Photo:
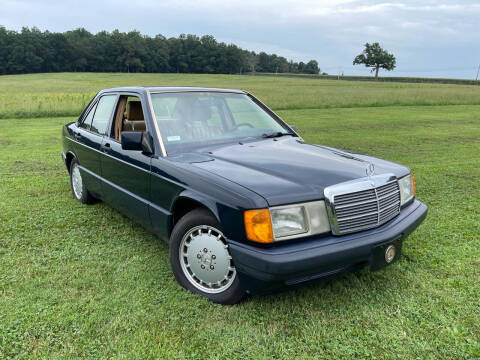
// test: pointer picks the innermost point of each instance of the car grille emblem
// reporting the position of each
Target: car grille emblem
(370, 171)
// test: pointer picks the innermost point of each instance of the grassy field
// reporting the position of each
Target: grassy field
(84, 282)
(38, 95)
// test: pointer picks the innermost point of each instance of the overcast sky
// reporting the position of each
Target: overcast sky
(429, 38)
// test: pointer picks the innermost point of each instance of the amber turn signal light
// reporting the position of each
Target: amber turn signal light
(258, 225)
(413, 184)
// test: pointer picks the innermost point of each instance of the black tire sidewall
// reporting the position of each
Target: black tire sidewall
(198, 217)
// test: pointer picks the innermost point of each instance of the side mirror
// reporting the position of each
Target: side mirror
(293, 127)
(137, 141)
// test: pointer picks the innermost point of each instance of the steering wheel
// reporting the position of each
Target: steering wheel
(242, 124)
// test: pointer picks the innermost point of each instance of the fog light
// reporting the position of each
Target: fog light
(390, 253)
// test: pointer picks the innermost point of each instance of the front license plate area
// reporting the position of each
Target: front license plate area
(385, 254)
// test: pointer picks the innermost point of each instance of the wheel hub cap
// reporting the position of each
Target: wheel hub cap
(205, 259)
(77, 182)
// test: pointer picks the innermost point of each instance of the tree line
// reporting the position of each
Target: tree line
(34, 51)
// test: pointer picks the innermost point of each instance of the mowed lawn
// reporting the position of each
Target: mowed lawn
(82, 281)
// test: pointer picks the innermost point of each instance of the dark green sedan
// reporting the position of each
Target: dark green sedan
(244, 203)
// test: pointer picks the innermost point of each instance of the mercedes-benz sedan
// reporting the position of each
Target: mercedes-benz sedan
(244, 203)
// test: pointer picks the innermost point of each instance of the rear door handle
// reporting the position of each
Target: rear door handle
(77, 136)
(106, 147)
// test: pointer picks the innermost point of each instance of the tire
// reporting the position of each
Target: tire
(79, 191)
(199, 254)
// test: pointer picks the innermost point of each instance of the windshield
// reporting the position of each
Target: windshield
(194, 119)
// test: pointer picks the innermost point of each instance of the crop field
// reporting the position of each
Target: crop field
(82, 281)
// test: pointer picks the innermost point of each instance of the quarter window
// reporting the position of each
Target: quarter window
(88, 119)
(103, 114)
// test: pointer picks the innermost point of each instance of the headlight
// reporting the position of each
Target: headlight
(289, 221)
(286, 222)
(407, 189)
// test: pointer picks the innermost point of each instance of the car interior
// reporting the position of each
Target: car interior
(129, 116)
(189, 118)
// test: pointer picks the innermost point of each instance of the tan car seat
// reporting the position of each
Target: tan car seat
(134, 120)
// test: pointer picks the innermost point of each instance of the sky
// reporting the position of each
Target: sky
(429, 38)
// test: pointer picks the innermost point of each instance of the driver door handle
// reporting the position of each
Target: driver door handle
(106, 147)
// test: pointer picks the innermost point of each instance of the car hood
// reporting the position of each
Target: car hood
(288, 170)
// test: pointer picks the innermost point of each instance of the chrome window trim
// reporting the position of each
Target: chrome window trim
(306, 211)
(167, 91)
(155, 124)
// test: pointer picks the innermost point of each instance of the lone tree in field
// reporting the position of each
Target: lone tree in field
(373, 56)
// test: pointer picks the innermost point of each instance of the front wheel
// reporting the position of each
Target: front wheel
(200, 258)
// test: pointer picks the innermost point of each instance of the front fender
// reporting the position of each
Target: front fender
(229, 217)
(203, 199)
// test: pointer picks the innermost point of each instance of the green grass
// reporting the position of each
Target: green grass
(66, 94)
(85, 282)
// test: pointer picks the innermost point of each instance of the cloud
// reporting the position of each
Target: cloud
(423, 34)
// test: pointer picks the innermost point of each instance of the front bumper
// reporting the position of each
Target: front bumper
(263, 270)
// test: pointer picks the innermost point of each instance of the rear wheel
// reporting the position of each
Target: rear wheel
(200, 258)
(79, 191)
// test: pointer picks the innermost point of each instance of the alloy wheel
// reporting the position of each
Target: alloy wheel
(205, 259)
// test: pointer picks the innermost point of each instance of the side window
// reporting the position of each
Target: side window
(103, 114)
(88, 119)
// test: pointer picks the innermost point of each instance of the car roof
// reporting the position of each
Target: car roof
(163, 89)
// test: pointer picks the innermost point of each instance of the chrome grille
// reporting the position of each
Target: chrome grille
(376, 202)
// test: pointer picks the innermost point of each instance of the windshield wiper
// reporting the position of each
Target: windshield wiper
(274, 134)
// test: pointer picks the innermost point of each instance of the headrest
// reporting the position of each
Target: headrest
(134, 110)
